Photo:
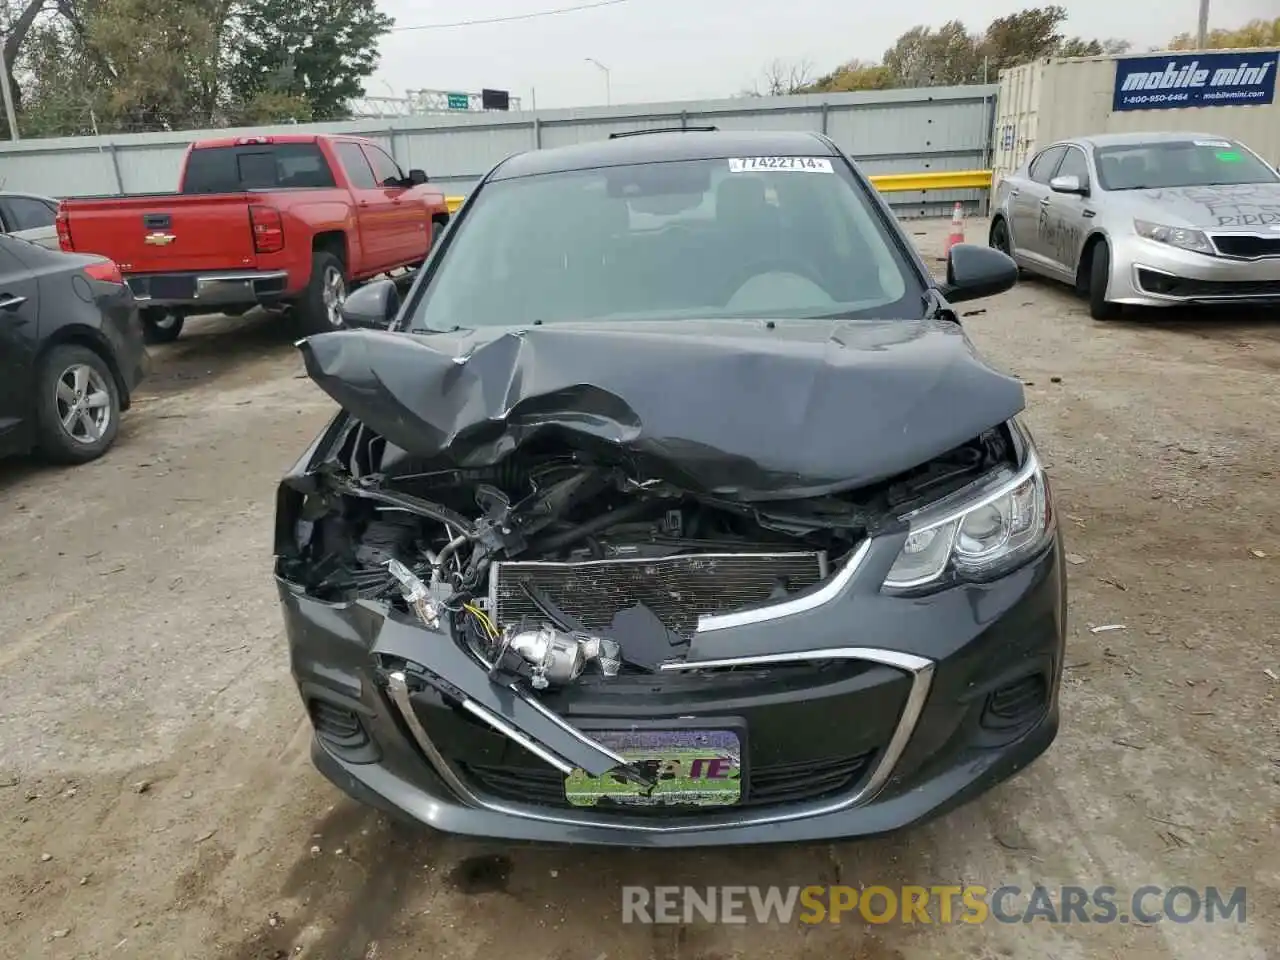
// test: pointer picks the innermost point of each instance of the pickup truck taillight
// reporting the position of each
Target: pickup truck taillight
(268, 228)
(105, 270)
(64, 231)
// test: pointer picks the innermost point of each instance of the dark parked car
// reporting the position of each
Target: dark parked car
(30, 216)
(675, 508)
(71, 352)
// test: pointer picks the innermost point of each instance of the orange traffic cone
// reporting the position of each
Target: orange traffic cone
(957, 228)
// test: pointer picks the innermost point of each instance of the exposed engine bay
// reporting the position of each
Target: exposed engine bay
(556, 564)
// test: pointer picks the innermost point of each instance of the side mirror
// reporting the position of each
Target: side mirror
(974, 271)
(1068, 184)
(374, 305)
(417, 178)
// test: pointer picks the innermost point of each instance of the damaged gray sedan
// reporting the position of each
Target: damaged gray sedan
(672, 507)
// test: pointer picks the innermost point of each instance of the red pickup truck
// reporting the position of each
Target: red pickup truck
(289, 220)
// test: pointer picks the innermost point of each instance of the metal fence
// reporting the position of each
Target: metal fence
(930, 130)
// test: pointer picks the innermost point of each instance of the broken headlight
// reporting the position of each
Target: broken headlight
(978, 532)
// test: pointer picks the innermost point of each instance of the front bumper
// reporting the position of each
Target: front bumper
(208, 292)
(1147, 273)
(862, 715)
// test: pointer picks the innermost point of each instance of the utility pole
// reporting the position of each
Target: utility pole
(608, 93)
(1202, 32)
(9, 113)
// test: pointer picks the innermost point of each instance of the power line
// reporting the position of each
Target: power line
(512, 18)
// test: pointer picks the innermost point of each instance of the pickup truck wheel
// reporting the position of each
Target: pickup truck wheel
(161, 326)
(77, 405)
(320, 307)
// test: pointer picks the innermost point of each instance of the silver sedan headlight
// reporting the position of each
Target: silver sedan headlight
(978, 532)
(1182, 237)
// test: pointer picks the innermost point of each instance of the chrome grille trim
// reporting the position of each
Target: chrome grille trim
(920, 669)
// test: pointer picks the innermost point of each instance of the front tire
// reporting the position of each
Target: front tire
(998, 239)
(161, 326)
(1100, 308)
(77, 405)
(320, 307)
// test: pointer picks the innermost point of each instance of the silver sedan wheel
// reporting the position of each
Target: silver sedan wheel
(334, 291)
(83, 402)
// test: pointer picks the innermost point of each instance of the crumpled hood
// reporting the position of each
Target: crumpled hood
(732, 408)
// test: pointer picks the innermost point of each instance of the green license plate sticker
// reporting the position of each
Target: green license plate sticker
(701, 768)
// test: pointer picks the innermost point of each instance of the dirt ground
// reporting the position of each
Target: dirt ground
(156, 797)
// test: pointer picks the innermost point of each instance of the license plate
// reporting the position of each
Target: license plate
(701, 768)
(173, 288)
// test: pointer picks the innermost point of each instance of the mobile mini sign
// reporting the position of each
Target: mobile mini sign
(1195, 80)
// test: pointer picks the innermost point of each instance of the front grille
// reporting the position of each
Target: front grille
(1246, 247)
(676, 589)
(1162, 283)
(767, 785)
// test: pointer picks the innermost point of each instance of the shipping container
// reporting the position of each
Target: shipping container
(1230, 93)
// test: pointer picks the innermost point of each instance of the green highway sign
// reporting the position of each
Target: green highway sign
(459, 101)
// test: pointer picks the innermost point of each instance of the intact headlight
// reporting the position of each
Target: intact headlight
(1181, 237)
(978, 532)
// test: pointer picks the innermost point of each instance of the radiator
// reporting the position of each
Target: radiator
(677, 589)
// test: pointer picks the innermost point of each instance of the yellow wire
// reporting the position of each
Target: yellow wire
(483, 617)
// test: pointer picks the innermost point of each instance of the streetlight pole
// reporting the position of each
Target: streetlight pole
(608, 93)
(1202, 32)
(7, 92)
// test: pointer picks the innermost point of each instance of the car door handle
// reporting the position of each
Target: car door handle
(1046, 201)
(1013, 193)
(8, 302)
(1090, 213)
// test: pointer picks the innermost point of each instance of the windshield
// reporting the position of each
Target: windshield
(1184, 163)
(682, 240)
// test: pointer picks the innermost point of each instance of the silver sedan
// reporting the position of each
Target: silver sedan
(1146, 219)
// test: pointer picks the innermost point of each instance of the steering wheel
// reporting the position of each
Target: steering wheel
(765, 265)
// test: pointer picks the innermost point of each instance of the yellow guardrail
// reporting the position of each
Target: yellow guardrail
(888, 183)
(950, 180)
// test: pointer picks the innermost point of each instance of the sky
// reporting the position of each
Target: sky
(661, 50)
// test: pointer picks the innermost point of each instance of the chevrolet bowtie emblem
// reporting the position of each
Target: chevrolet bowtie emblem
(159, 239)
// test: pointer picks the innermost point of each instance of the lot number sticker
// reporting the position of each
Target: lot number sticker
(786, 164)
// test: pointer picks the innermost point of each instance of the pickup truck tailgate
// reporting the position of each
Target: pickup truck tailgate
(165, 233)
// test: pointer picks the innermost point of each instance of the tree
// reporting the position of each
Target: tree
(318, 51)
(950, 55)
(854, 75)
(1255, 33)
(161, 59)
(1022, 37)
(20, 18)
(923, 57)
(782, 78)
(1079, 47)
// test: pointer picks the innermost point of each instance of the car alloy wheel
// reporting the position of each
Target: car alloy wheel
(83, 404)
(334, 292)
